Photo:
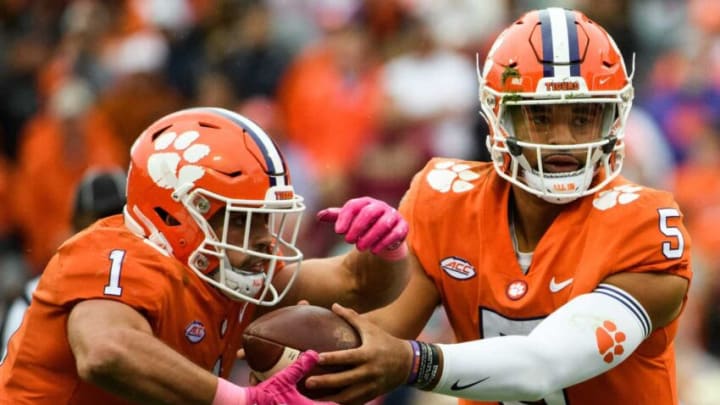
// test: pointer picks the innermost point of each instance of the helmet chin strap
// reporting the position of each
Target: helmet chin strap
(579, 181)
(243, 282)
(576, 182)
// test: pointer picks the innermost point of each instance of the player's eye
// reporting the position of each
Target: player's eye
(585, 114)
(238, 221)
(539, 116)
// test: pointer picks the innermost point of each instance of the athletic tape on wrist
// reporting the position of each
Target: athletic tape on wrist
(227, 393)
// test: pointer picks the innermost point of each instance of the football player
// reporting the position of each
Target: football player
(562, 280)
(148, 306)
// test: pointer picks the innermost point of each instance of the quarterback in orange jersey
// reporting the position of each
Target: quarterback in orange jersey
(149, 306)
(562, 280)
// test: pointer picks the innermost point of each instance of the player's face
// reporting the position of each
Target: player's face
(558, 124)
(259, 239)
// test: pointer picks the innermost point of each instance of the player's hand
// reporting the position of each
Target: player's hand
(281, 387)
(370, 224)
(381, 364)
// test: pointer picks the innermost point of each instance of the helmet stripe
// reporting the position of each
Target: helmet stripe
(560, 43)
(573, 44)
(273, 158)
(547, 43)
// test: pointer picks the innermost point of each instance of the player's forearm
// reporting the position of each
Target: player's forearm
(375, 281)
(142, 369)
(586, 337)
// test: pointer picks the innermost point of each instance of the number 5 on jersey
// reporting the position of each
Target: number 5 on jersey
(671, 250)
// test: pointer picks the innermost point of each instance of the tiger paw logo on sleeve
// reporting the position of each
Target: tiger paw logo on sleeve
(451, 176)
(609, 341)
(622, 195)
(170, 149)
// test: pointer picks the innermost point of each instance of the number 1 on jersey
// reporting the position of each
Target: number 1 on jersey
(113, 286)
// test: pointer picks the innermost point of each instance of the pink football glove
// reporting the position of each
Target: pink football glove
(370, 224)
(280, 388)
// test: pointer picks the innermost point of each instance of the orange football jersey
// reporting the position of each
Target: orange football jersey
(458, 213)
(107, 261)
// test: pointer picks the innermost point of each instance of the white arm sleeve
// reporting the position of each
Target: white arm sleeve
(587, 336)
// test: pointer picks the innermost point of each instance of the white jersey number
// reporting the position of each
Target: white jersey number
(494, 325)
(113, 286)
(671, 250)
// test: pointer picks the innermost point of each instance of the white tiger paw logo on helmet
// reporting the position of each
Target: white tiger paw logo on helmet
(449, 175)
(163, 164)
(622, 195)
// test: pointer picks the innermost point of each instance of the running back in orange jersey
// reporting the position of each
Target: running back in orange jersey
(461, 235)
(184, 312)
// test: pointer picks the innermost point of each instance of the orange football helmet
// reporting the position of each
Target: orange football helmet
(189, 165)
(556, 65)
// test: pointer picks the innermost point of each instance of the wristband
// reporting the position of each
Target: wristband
(429, 366)
(228, 393)
(415, 367)
(394, 254)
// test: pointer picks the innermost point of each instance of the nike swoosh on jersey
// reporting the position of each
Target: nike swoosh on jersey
(555, 287)
(457, 386)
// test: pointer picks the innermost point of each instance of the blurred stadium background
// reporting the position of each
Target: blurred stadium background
(357, 92)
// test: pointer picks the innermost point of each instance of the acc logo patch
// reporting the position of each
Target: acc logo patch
(457, 267)
(195, 331)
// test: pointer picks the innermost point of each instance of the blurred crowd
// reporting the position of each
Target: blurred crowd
(358, 93)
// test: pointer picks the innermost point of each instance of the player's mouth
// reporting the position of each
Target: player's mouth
(561, 163)
(252, 267)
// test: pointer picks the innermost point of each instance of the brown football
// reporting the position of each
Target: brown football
(275, 340)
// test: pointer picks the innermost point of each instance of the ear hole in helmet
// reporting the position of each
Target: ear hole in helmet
(166, 217)
(208, 125)
(158, 132)
(232, 174)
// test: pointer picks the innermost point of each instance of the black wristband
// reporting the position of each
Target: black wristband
(429, 366)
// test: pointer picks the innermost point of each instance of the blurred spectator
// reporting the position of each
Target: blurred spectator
(683, 89)
(431, 90)
(214, 89)
(297, 23)
(462, 24)
(134, 42)
(24, 47)
(648, 155)
(12, 266)
(100, 193)
(57, 147)
(256, 62)
(330, 99)
(682, 113)
(6, 191)
(186, 59)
